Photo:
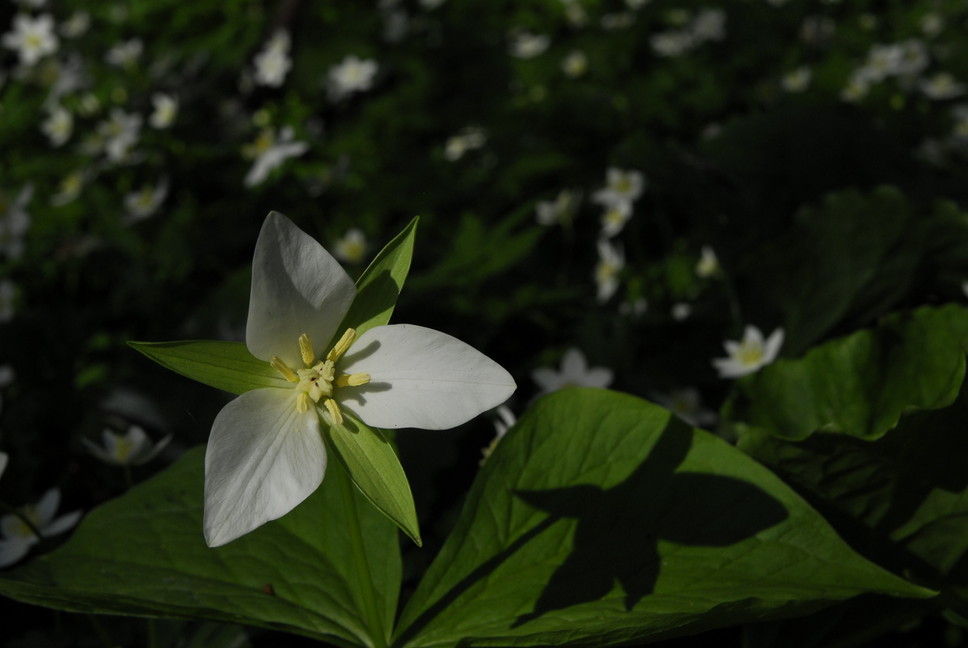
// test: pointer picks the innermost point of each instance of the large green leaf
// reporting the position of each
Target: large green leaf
(861, 384)
(601, 519)
(144, 554)
(224, 365)
(372, 464)
(379, 286)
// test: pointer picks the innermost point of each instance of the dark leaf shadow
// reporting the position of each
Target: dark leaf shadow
(377, 295)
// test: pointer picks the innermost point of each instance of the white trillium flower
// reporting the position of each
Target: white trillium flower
(352, 247)
(33, 38)
(615, 216)
(18, 536)
(272, 64)
(143, 203)
(574, 372)
(469, 139)
(620, 186)
(351, 75)
(266, 452)
(132, 448)
(166, 108)
(270, 152)
(749, 354)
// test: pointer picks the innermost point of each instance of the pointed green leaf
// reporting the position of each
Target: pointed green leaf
(861, 384)
(144, 554)
(379, 286)
(224, 365)
(373, 466)
(601, 520)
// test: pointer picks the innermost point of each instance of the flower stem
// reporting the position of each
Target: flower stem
(362, 566)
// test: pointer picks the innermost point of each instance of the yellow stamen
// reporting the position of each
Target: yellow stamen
(341, 346)
(334, 412)
(284, 369)
(353, 380)
(302, 403)
(306, 350)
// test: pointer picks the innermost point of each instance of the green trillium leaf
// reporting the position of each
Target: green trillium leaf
(143, 554)
(861, 384)
(600, 519)
(372, 464)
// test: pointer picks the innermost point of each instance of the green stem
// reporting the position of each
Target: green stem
(362, 567)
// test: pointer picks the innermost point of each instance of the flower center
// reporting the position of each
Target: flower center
(318, 380)
(749, 354)
(20, 528)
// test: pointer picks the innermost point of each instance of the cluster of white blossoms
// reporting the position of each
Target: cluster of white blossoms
(707, 25)
(904, 61)
(622, 189)
(273, 63)
(20, 530)
(350, 76)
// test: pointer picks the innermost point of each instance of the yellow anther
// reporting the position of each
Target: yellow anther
(284, 369)
(333, 408)
(306, 349)
(353, 380)
(302, 403)
(341, 346)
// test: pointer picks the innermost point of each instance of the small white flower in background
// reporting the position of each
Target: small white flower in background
(32, 38)
(671, 43)
(272, 64)
(615, 216)
(620, 186)
(941, 86)
(525, 45)
(575, 13)
(8, 297)
(14, 222)
(932, 24)
(469, 139)
(166, 108)
(709, 25)
(269, 151)
(351, 75)
(266, 452)
(144, 202)
(574, 372)
(681, 311)
(132, 448)
(749, 354)
(686, 403)
(560, 210)
(58, 126)
(125, 54)
(119, 133)
(611, 261)
(68, 189)
(18, 536)
(77, 25)
(796, 80)
(504, 421)
(708, 264)
(856, 89)
(620, 20)
(352, 247)
(575, 64)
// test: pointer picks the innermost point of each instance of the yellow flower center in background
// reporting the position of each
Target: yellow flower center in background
(20, 528)
(122, 449)
(749, 354)
(318, 379)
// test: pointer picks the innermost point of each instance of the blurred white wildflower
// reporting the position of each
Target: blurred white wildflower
(14, 223)
(671, 43)
(620, 20)
(708, 264)
(681, 311)
(615, 216)
(797, 80)
(912, 58)
(932, 24)
(709, 25)
(144, 202)
(575, 13)
(468, 139)
(352, 247)
(77, 25)
(856, 89)
(125, 54)
(273, 63)
(575, 64)
(611, 262)
(687, 405)
(32, 38)
(574, 372)
(269, 151)
(119, 133)
(525, 45)
(634, 308)
(132, 448)
(58, 126)
(166, 108)
(504, 420)
(941, 85)
(620, 186)
(560, 210)
(749, 354)
(68, 189)
(20, 529)
(351, 75)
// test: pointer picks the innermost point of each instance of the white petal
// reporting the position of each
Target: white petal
(47, 507)
(732, 368)
(13, 549)
(546, 378)
(153, 452)
(263, 459)
(573, 366)
(752, 336)
(772, 346)
(4, 458)
(62, 524)
(598, 377)
(138, 439)
(297, 287)
(421, 378)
